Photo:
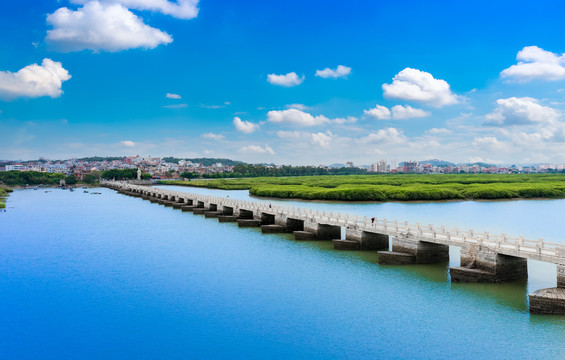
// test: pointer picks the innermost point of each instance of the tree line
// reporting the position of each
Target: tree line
(251, 170)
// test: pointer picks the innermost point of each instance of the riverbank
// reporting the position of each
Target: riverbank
(3, 195)
(405, 187)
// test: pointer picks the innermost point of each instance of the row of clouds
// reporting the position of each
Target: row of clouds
(410, 84)
(292, 78)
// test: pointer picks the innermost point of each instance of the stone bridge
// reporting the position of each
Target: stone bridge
(484, 257)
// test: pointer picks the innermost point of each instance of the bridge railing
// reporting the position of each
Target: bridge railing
(440, 234)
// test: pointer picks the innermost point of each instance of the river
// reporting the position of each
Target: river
(86, 276)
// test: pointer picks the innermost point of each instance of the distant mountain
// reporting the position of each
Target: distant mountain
(481, 164)
(437, 162)
(205, 161)
(336, 166)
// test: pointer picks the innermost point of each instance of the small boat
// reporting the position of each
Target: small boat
(96, 193)
(86, 192)
(71, 189)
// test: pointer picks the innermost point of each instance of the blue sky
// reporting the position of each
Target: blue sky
(290, 82)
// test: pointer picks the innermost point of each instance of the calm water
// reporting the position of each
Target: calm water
(112, 277)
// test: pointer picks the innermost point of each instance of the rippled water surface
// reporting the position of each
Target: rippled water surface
(107, 276)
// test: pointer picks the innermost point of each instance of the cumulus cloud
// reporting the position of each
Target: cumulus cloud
(181, 9)
(244, 126)
(322, 139)
(400, 112)
(388, 135)
(379, 112)
(415, 85)
(340, 72)
(256, 149)
(489, 143)
(173, 96)
(521, 111)
(127, 143)
(288, 80)
(535, 63)
(397, 112)
(295, 117)
(101, 27)
(213, 136)
(34, 81)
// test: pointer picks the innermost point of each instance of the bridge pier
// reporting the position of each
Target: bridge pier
(315, 231)
(361, 240)
(481, 264)
(408, 250)
(550, 301)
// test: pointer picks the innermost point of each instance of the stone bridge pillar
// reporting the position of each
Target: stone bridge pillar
(408, 250)
(481, 264)
(550, 301)
(356, 239)
(312, 230)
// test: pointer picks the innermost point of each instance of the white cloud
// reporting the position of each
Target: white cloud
(379, 112)
(34, 81)
(173, 96)
(322, 139)
(288, 80)
(298, 107)
(521, 111)
(489, 143)
(289, 134)
(339, 72)
(400, 112)
(257, 149)
(244, 126)
(101, 27)
(295, 117)
(127, 143)
(347, 120)
(415, 85)
(397, 112)
(438, 131)
(181, 9)
(213, 136)
(535, 63)
(388, 135)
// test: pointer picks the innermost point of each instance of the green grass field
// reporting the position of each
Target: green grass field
(395, 187)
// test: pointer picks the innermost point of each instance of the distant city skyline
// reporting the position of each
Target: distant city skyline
(315, 82)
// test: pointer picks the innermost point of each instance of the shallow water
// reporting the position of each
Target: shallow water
(107, 276)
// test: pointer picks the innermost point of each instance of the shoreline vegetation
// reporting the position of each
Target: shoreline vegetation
(405, 187)
(3, 195)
